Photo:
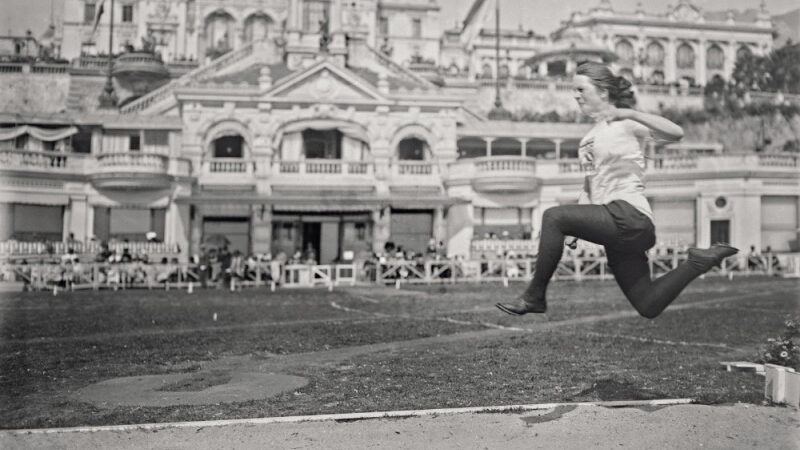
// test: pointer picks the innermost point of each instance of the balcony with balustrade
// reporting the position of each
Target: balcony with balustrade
(410, 173)
(328, 173)
(134, 170)
(234, 173)
(44, 162)
(505, 174)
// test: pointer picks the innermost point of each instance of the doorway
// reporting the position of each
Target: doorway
(311, 239)
(721, 231)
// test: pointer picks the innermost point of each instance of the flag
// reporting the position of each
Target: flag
(98, 14)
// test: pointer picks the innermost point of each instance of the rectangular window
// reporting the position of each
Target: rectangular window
(383, 27)
(88, 12)
(416, 28)
(127, 13)
(135, 143)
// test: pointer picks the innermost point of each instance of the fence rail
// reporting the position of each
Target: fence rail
(141, 275)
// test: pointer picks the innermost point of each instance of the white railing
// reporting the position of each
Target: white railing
(506, 164)
(22, 249)
(196, 74)
(777, 160)
(414, 167)
(133, 161)
(324, 167)
(667, 163)
(38, 160)
(228, 165)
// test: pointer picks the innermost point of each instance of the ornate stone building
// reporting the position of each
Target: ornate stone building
(316, 139)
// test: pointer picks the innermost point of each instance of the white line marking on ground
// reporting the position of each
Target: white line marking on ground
(355, 416)
(657, 341)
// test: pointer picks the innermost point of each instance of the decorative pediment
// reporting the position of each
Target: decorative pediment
(686, 12)
(325, 82)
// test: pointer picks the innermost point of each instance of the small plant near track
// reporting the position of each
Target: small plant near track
(785, 349)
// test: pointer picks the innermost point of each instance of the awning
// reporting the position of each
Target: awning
(349, 129)
(327, 203)
(43, 134)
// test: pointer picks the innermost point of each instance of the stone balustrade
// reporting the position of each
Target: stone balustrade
(136, 161)
(228, 165)
(505, 164)
(423, 168)
(31, 160)
(324, 167)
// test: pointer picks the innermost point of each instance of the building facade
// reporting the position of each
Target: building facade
(682, 43)
(317, 142)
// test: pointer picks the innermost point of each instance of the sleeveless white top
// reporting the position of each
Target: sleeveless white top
(611, 155)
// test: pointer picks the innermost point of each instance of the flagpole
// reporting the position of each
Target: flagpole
(108, 99)
(498, 112)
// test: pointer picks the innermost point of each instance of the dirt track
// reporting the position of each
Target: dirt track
(563, 427)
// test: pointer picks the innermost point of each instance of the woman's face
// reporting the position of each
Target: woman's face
(590, 98)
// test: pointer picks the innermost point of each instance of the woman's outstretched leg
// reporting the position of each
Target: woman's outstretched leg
(591, 223)
(651, 297)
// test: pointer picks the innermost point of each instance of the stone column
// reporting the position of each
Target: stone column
(6, 221)
(558, 147)
(196, 228)
(523, 144)
(78, 215)
(542, 69)
(261, 228)
(670, 61)
(439, 226)
(177, 229)
(381, 228)
(701, 63)
(489, 146)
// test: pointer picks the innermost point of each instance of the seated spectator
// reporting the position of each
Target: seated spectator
(126, 256)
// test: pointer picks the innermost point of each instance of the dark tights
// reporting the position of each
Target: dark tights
(594, 223)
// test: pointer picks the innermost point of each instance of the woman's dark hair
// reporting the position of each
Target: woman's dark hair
(618, 88)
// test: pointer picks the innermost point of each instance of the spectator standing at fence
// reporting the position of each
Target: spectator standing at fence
(754, 260)
(613, 210)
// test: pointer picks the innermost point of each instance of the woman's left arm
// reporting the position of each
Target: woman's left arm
(662, 128)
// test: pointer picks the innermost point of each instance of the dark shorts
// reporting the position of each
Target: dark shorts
(635, 230)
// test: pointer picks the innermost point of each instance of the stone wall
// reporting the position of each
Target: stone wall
(29, 93)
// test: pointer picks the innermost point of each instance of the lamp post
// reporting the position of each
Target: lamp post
(498, 112)
(108, 99)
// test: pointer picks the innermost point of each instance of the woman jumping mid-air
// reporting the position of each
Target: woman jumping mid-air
(612, 209)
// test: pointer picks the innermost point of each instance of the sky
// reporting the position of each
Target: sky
(542, 16)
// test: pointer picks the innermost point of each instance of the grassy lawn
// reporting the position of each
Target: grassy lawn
(52, 346)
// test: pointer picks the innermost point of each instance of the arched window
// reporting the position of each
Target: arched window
(624, 50)
(685, 56)
(228, 147)
(715, 58)
(743, 52)
(504, 72)
(655, 54)
(486, 71)
(412, 149)
(219, 29)
(471, 147)
(322, 144)
(256, 27)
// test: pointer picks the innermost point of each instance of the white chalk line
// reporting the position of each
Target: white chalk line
(657, 341)
(348, 417)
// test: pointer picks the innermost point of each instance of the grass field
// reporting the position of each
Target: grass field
(373, 349)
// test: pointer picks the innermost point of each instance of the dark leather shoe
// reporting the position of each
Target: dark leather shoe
(706, 258)
(522, 306)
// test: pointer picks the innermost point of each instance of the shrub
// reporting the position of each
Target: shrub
(784, 349)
